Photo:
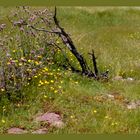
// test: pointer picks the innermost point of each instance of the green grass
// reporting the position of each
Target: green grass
(114, 34)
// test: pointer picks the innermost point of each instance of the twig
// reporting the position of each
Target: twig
(44, 30)
(69, 43)
(94, 63)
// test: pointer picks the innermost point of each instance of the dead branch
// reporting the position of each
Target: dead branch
(94, 63)
(44, 30)
(70, 45)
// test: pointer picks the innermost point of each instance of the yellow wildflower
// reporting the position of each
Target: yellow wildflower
(8, 63)
(46, 82)
(20, 64)
(35, 76)
(29, 60)
(55, 91)
(16, 61)
(52, 81)
(45, 96)
(55, 77)
(22, 58)
(39, 56)
(57, 42)
(40, 82)
(50, 73)
(43, 70)
(94, 111)
(106, 117)
(72, 116)
(29, 70)
(112, 124)
(46, 69)
(3, 121)
(2, 89)
(52, 88)
(36, 62)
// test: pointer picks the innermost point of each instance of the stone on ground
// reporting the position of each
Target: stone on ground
(40, 131)
(15, 130)
(52, 118)
(118, 78)
(133, 105)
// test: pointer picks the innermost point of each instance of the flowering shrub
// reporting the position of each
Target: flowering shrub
(27, 53)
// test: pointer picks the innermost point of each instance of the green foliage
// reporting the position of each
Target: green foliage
(26, 55)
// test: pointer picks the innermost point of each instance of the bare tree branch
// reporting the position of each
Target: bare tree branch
(94, 63)
(44, 30)
(70, 45)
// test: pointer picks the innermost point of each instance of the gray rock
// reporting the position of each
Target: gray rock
(40, 131)
(110, 96)
(52, 118)
(49, 117)
(130, 79)
(133, 105)
(138, 102)
(58, 124)
(15, 130)
(118, 78)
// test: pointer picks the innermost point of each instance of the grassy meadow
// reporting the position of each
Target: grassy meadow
(114, 34)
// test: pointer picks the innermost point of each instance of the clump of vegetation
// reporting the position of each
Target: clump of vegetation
(25, 55)
(37, 41)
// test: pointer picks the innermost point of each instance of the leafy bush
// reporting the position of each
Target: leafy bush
(25, 52)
